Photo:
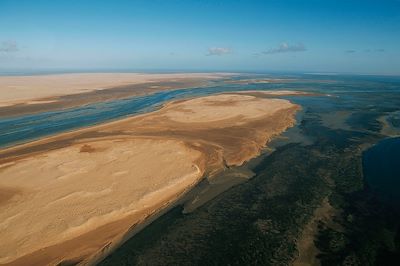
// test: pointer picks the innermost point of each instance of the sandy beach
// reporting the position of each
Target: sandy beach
(70, 197)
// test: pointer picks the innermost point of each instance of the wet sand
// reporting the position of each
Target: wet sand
(75, 196)
(30, 94)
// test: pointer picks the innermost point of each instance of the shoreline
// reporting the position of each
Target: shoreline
(10, 150)
(144, 111)
(63, 91)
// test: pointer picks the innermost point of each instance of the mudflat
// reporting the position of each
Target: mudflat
(75, 196)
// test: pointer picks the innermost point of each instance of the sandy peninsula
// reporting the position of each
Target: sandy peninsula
(73, 197)
(37, 93)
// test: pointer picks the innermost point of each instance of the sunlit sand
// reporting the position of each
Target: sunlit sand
(77, 195)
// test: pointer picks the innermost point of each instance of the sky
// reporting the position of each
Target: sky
(342, 36)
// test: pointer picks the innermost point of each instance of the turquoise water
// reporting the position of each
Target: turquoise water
(20, 129)
(24, 128)
(347, 93)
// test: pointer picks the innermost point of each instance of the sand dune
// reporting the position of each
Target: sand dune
(74, 196)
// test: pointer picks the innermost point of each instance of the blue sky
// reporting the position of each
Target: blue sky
(345, 36)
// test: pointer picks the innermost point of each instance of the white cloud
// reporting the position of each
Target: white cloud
(286, 48)
(9, 47)
(219, 51)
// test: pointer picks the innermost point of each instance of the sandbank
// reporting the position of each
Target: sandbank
(29, 94)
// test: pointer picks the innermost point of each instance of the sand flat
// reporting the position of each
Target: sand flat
(29, 89)
(224, 107)
(115, 175)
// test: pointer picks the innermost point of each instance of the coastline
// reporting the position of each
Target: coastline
(219, 149)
